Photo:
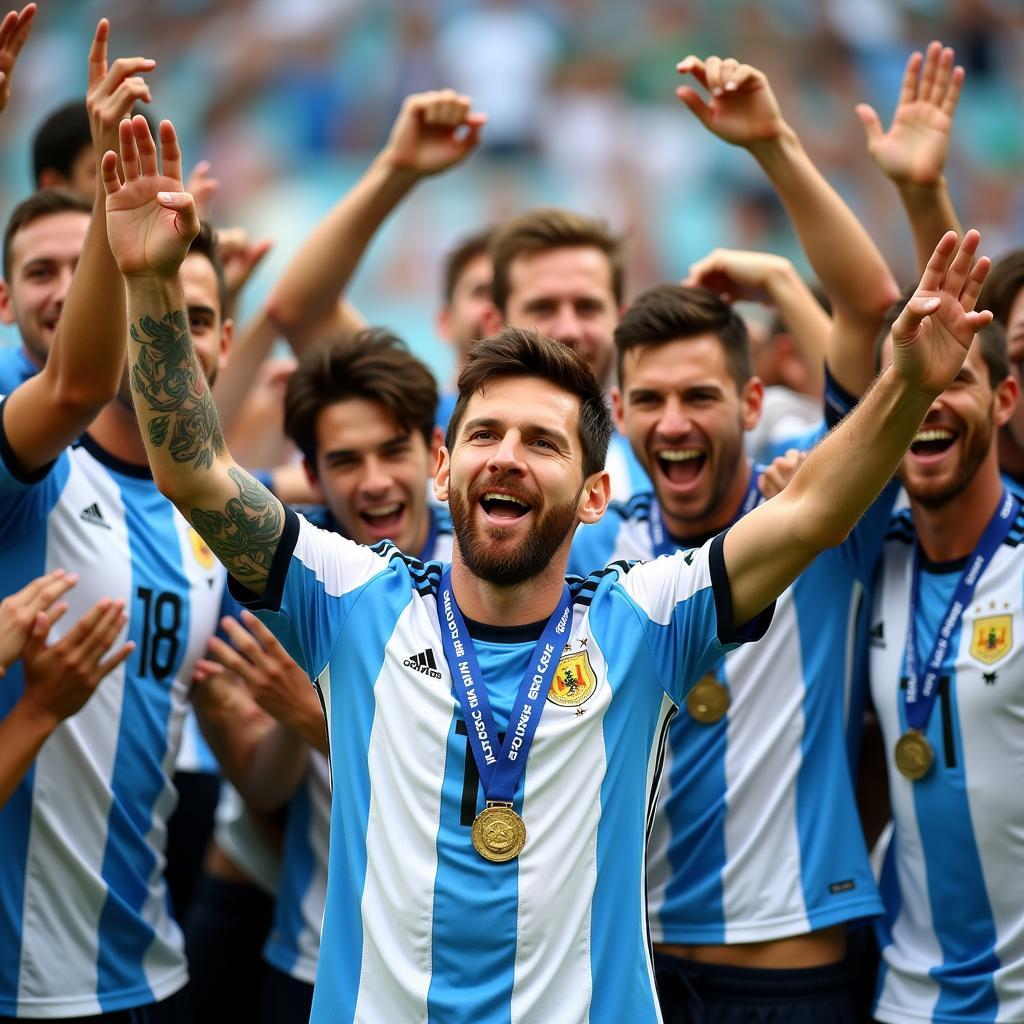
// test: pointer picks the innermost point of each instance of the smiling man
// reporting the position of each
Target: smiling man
(361, 411)
(581, 681)
(947, 678)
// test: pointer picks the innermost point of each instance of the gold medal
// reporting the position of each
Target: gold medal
(708, 701)
(499, 834)
(914, 754)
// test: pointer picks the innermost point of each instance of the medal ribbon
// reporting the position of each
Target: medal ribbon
(663, 544)
(500, 771)
(920, 699)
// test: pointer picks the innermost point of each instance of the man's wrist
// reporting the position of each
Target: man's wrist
(916, 195)
(783, 145)
(35, 720)
(390, 173)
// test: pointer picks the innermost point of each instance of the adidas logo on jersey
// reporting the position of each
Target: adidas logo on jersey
(92, 514)
(423, 662)
(876, 636)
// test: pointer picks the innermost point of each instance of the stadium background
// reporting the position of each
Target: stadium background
(288, 100)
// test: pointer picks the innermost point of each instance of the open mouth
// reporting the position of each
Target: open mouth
(681, 466)
(504, 508)
(383, 519)
(932, 442)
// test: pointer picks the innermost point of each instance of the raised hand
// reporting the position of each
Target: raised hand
(240, 256)
(739, 275)
(59, 679)
(151, 220)
(780, 471)
(202, 187)
(932, 335)
(742, 107)
(113, 90)
(18, 612)
(14, 30)
(913, 150)
(433, 131)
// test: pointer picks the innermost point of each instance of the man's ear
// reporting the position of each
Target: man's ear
(6, 306)
(1007, 392)
(618, 409)
(492, 320)
(753, 402)
(597, 493)
(442, 469)
(227, 336)
(314, 482)
(51, 178)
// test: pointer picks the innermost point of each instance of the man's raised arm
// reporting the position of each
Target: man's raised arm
(151, 222)
(912, 153)
(768, 548)
(82, 373)
(434, 131)
(741, 109)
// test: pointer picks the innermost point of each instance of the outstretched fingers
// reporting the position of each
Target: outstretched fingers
(935, 269)
(129, 150)
(908, 87)
(98, 53)
(170, 151)
(960, 267)
(975, 280)
(145, 146)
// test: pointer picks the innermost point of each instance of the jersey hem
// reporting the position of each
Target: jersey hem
(767, 931)
(301, 969)
(99, 1003)
(893, 1015)
(10, 458)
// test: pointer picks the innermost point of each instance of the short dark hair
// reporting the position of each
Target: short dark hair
(44, 203)
(670, 312)
(520, 352)
(372, 364)
(205, 244)
(550, 228)
(60, 139)
(458, 258)
(1003, 285)
(991, 338)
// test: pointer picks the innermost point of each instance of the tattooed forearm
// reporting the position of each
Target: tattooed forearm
(167, 380)
(245, 535)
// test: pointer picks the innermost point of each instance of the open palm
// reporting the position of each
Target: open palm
(151, 220)
(932, 335)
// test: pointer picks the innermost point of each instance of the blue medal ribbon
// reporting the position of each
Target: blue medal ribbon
(663, 544)
(500, 770)
(919, 698)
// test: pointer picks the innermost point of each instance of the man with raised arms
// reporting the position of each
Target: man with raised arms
(530, 897)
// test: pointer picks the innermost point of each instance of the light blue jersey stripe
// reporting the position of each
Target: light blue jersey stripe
(158, 619)
(282, 948)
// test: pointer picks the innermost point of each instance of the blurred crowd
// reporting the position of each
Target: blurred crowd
(288, 102)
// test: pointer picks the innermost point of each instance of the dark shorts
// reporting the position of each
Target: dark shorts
(284, 999)
(224, 937)
(176, 1009)
(188, 834)
(696, 993)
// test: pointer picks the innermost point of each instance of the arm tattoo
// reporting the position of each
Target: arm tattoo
(245, 535)
(167, 378)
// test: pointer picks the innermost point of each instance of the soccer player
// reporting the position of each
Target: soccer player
(361, 411)
(434, 905)
(947, 680)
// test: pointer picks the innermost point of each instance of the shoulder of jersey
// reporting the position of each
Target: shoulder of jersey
(637, 507)
(425, 576)
(901, 527)
(583, 589)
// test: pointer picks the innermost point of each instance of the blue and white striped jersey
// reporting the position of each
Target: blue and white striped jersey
(756, 835)
(418, 927)
(952, 936)
(15, 368)
(293, 945)
(294, 941)
(84, 922)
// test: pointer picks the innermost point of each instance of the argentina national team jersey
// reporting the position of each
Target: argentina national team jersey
(293, 945)
(756, 835)
(953, 879)
(418, 926)
(84, 922)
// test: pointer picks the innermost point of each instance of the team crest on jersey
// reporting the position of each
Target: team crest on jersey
(204, 556)
(575, 680)
(992, 638)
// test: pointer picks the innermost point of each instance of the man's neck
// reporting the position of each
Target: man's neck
(35, 360)
(721, 516)
(952, 530)
(530, 601)
(116, 431)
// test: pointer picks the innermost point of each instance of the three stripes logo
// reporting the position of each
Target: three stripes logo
(423, 662)
(92, 514)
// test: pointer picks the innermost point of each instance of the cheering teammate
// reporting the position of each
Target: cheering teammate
(414, 867)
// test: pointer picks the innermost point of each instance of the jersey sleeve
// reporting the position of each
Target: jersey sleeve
(685, 602)
(315, 580)
(838, 401)
(26, 499)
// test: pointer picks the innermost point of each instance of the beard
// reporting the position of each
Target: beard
(936, 494)
(485, 550)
